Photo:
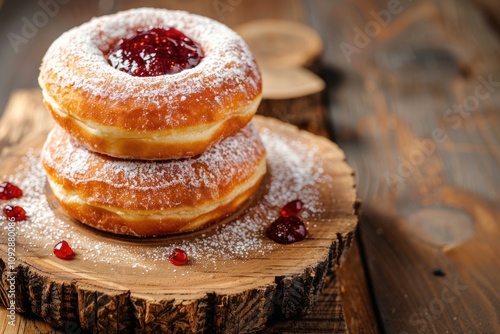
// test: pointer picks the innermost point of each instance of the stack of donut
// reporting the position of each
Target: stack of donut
(153, 110)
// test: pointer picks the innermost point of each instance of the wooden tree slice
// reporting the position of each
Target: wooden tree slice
(293, 95)
(289, 83)
(236, 278)
(281, 43)
(290, 92)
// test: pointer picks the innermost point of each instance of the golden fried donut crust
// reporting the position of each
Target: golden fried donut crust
(145, 198)
(155, 118)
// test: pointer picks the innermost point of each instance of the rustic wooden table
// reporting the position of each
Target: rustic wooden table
(413, 98)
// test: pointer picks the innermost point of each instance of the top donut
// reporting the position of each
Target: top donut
(159, 117)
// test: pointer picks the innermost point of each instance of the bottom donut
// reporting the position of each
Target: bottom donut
(151, 198)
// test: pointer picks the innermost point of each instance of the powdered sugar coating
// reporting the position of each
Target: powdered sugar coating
(154, 185)
(296, 170)
(75, 62)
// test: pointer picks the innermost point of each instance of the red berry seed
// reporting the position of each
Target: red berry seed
(179, 257)
(292, 208)
(155, 52)
(287, 230)
(9, 191)
(63, 251)
(14, 213)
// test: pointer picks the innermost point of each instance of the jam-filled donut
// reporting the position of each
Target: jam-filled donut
(147, 198)
(150, 84)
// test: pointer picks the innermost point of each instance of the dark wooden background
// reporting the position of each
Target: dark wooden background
(414, 100)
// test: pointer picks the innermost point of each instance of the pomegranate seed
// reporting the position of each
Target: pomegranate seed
(155, 52)
(63, 251)
(287, 230)
(9, 191)
(14, 213)
(292, 208)
(179, 257)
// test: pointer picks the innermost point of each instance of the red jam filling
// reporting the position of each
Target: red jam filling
(9, 191)
(288, 228)
(292, 208)
(155, 52)
(63, 251)
(179, 257)
(14, 213)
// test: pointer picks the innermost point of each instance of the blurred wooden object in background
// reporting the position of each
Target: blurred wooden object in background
(286, 51)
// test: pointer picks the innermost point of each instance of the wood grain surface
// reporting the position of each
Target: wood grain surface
(418, 115)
